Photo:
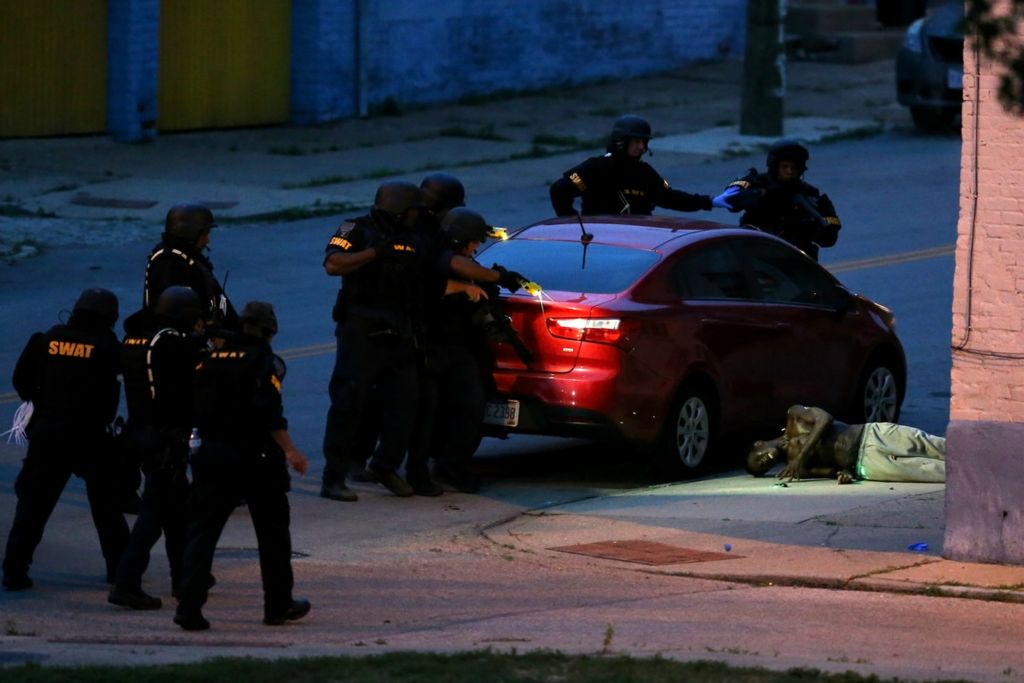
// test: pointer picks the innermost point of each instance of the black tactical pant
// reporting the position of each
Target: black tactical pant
(56, 451)
(163, 511)
(451, 409)
(366, 361)
(223, 474)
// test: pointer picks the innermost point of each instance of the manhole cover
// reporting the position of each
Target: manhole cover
(644, 552)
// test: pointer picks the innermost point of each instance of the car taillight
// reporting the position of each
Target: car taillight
(601, 330)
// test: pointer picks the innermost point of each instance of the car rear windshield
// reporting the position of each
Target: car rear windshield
(561, 266)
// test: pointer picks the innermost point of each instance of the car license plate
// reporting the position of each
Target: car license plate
(503, 413)
(955, 79)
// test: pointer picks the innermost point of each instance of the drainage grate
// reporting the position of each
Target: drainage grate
(644, 552)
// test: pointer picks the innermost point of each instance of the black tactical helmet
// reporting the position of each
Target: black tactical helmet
(787, 149)
(462, 226)
(628, 127)
(396, 197)
(258, 318)
(188, 221)
(101, 302)
(442, 191)
(180, 305)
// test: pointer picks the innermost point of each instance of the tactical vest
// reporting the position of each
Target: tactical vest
(77, 376)
(386, 290)
(137, 369)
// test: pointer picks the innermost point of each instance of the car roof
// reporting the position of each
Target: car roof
(652, 233)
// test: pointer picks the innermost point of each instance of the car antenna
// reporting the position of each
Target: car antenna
(585, 238)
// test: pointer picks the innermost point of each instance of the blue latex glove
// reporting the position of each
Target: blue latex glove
(722, 200)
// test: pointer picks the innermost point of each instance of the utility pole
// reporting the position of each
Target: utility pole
(764, 69)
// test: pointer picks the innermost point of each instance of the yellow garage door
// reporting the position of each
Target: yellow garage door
(53, 67)
(223, 63)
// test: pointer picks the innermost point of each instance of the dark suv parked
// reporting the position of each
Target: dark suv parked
(930, 68)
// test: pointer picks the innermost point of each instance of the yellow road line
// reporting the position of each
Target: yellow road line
(838, 267)
(905, 257)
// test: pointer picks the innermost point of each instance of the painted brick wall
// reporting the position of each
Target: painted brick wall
(352, 55)
(984, 467)
(989, 279)
(133, 31)
(323, 60)
(429, 52)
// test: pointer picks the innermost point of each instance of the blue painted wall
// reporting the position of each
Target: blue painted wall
(133, 51)
(350, 56)
(413, 52)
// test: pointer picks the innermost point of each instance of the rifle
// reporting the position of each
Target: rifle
(490, 316)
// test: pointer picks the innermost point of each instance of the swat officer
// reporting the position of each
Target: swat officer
(453, 350)
(781, 203)
(620, 182)
(442, 192)
(245, 453)
(381, 258)
(69, 373)
(158, 358)
(179, 260)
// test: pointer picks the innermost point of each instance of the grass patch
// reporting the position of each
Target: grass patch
(289, 151)
(62, 188)
(335, 179)
(17, 211)
(858, 134)
(319, 182)
(559, 140)
(485, 132)
(471, 667)
(293, 213)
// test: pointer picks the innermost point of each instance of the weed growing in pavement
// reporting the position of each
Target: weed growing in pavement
(732, 651)
(18, 211)
(843, 659)
(319, 182)
(11, 629)
(859, 134)
(62, 188)
(293, 213)
(485, 132)
(289, 151)
(606, 642)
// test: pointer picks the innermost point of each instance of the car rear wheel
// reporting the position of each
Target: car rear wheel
(689, 434)
(878, 395)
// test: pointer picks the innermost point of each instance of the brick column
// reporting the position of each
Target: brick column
(985, 468)
(133, 39)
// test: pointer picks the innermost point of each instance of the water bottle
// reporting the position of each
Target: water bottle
(194, 442)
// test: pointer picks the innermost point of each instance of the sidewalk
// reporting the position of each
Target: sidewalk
(90, 190)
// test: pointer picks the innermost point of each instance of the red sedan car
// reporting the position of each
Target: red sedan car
(683, 335)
